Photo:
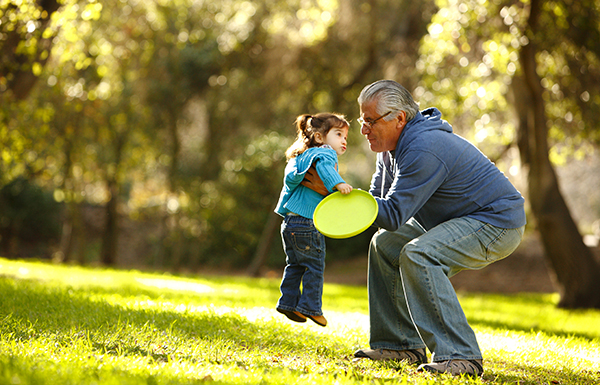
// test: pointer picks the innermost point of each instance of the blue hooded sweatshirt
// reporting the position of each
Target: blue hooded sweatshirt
(435, 175)
(297, 199)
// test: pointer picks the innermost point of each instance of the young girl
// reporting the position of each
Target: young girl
(321, 138)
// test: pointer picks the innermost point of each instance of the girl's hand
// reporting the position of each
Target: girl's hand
(344, 188)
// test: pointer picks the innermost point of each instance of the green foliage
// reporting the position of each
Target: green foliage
(70, 325)
(29, 218)
(234, 209)
(470, 55)
(159, 102)
(467, 61)
(180, 108)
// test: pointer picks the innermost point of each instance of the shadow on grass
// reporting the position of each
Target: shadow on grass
(29, 309)
(21, 370)
(529, 312)
(474, 321)
(523, 375)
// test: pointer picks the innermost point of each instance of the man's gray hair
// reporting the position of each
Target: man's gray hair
(390, 96)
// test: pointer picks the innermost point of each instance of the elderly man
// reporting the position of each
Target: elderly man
(443, 207)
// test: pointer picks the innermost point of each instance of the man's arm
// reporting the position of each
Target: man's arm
(314, 182)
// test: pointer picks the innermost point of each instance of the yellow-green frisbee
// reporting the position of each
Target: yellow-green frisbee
(344, 216)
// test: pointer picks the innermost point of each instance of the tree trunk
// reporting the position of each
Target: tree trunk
(73, 234)
(264, 244)
(79, 235)
(576, 270)
(66, 238)
(108, 254)
(169, 252)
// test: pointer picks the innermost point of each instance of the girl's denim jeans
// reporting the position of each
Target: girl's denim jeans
(304, 248)
(412, 303)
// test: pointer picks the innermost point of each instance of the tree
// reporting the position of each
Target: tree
(535, 57)
(26, 41)
(577, 272)
(113, 120)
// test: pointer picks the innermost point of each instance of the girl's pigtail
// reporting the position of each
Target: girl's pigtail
(303, 136)
(303, 124)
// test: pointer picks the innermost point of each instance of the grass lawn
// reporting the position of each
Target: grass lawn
(71, 325)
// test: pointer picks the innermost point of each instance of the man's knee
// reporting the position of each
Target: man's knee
(416, 252)
(379, 238)
(384, 246)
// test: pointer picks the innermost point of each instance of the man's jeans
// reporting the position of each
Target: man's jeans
(413, 266)
(304, 248)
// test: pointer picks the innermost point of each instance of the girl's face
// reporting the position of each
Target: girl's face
(336, 138)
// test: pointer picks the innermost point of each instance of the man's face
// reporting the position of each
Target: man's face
(382, 135)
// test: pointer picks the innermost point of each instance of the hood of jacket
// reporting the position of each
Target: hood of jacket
(308, 157)
(429, 119)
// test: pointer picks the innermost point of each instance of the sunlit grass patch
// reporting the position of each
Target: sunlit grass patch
(526, 337)
(73, 325)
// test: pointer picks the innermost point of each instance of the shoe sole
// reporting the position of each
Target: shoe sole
(420, 358)
(291, 315)
(432, 370)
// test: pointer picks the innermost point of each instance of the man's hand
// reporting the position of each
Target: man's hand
(314, 182)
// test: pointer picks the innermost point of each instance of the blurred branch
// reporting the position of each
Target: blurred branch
(16, 67)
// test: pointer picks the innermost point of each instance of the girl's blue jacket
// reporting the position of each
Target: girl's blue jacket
(301, 200)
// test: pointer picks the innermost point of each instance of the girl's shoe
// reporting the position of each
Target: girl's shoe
(293, 315)
(318, 319)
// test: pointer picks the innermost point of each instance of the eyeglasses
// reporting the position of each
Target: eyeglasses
(371, 123)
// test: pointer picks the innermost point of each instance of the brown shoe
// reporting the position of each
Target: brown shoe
(293, 315)
(318, 319)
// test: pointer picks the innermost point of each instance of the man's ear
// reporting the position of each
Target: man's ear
(401, 119)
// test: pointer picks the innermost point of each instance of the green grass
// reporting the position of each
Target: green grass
(71, 325)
